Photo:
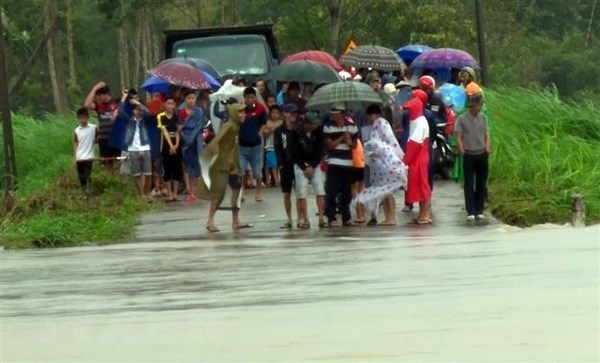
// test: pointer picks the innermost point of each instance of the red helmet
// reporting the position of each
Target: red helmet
(427, 82)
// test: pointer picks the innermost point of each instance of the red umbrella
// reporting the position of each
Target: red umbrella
(315, 56)
(180, 74)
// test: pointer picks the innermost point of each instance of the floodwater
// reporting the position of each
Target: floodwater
(434, 294)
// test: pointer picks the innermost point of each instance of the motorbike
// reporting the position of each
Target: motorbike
(443, 153)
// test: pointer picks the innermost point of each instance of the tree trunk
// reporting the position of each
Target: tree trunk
(223, 12)
(335, 10)
(199, 12)
(70, 51)
(144, 40)
(123, 49)
(137, 59)
(55, 62)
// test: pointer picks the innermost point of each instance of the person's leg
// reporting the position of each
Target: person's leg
(257, 170)
(481, 175)
(287, 205)
(389, 209)
(302, 212)
(332, 186)
(88, 173)
(424, 215)
(318, 183)
(212, 210)
(81, 174)
(301, 183)
(469, 173)
(346, 193)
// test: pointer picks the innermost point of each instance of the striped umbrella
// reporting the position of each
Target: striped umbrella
(342, 92)
(373, 56)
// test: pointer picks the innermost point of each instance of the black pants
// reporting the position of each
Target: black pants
(172, 166)
(475, 168)
(339, 180)
(84, 171)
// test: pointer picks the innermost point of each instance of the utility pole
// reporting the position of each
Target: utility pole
(481, 43)
(10, 174)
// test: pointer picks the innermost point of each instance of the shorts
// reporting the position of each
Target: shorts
(140, 163)
(358, 175)
(286, 178)
(271, 159)
(251, 158)
(107, 151)
(302, 182)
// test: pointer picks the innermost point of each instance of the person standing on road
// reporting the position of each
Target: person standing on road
(340, 138)
(308, 151)
(268, 132)
(220, 167)
(285, 159)
(170, 148)
(250, 141)
(417, 160)
(473, 138)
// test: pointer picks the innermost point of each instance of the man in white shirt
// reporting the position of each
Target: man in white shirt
(84, 138)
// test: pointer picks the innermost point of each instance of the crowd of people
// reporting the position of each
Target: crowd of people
(355, 160)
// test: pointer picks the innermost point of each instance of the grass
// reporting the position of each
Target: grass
(544, 151)
(49, 209)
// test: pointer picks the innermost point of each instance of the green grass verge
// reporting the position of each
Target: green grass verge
(49, 209)
(544, 151)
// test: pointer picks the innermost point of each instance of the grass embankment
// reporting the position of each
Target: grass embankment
(50, 209)
(544, 151)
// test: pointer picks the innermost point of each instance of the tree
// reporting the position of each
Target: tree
(55, 61)
(335, 12)
(123, 49)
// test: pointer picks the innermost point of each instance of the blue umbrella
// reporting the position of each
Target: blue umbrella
(409, 52)
(155, 84)
(453, 96)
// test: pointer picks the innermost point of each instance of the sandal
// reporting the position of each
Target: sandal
(349, 224)
(359, 221)
(242, 226)
(420, 222)
(258, 198)
(304, 225)
(323, 224)
(287, 225)
(386, 224)
(372, 222)
(334, 224)
(212, 229)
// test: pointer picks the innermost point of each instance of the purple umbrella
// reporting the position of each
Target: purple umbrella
(444, 58)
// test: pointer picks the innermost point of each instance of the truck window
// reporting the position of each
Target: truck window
(229, 55)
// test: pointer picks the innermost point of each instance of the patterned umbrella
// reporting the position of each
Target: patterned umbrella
(342, 92)
(155, 84)
(180, 74)
(303, 71)
(373, 56)
(444, 58)
(199, 63)
(315, 56)
(409, 52)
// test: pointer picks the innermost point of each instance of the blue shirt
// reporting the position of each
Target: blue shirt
(256, 117)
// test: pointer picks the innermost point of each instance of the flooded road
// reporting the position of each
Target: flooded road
(446, 293)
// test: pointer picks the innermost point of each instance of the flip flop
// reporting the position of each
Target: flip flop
(258, 199)
(286, 226)
(360, 221)
(334, 224)
(323, 224)
(349, 224)
(385, 224)
(212, 229)
(372, 222)
(304, 225)
(242, 226)
(420, 223)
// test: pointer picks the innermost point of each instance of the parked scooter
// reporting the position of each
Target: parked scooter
(444, 157)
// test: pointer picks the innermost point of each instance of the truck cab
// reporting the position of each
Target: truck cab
(248, 51)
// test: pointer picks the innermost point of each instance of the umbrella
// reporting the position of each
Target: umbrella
(343, 92)
(453, 96)
(444, 58)
(303, 71)
(409, 52)
(373, 56)
(155, 84)
(180, 74)
(199, 63)
(315, 56)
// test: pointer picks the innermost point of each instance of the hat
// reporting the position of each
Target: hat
(229, 101)
(421, 95)
(312, 117)
(388, 78)
(289, 108)
(475, 100)
(372, 77)
(473, 88)
(357, 78)
(469, 71)
(404, 83)
(427, 82)
(338, 108)
(389, 88)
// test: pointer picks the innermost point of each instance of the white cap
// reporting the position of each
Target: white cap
(345, 75)
(389, 88)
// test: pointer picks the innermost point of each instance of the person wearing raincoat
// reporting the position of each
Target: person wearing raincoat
(417, 160)
(220, 167)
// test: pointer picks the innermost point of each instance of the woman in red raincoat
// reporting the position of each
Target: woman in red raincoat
(417, 160)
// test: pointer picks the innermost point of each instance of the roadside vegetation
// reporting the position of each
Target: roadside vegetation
(49, 208)
(544, 151)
